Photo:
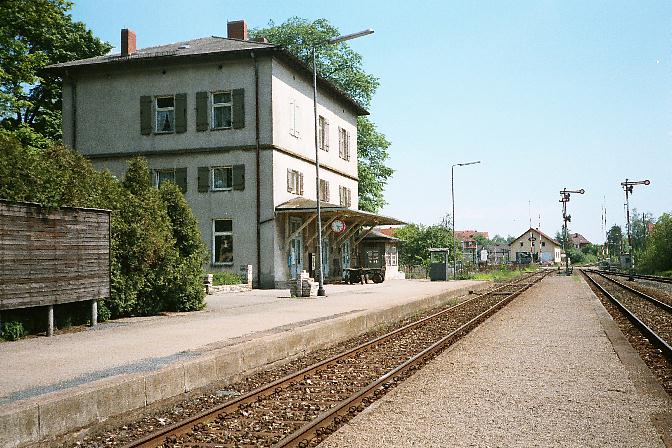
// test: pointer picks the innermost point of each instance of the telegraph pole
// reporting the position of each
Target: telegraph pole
(564, 199)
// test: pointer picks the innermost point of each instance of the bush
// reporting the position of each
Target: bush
(13, 330)
(156, 251)
(227, 278)
(657, 254)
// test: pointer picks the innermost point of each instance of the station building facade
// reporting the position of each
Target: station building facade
(535, 245)
(230, 121)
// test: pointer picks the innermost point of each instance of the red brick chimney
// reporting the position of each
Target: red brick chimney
(127, 42)
(236, 30)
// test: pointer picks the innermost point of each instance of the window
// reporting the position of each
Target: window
(521, 244)
(343, 144)
(222, 178)
(294, 118)
(543, 244)
(324, 190)
(294, 182)
(165, 114)
(345, 197)
(222, 110)
(222, 241)
(323, 134)
(164, 176)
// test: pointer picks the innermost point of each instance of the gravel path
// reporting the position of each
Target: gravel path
(541, 372)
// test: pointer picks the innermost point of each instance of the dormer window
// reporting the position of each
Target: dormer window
(165, 114)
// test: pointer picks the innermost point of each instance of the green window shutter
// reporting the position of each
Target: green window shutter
(145, 115)
(181, 113)
(238, 97)
(181, 179)
(203, 179)
(238, 177)
(201, 111)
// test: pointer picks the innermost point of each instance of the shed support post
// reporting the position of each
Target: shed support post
(50, 320)
(94, 312)
(0, 324)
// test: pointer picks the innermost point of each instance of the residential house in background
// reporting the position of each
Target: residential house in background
(578, 241)
(534, 245)
(230, 121)
(469, 244)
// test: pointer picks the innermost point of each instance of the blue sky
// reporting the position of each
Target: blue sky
(547, 94)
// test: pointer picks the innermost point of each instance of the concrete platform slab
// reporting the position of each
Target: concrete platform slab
(61, 383)
(548, 370)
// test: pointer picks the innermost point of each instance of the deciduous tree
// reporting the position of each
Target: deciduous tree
(34, 34)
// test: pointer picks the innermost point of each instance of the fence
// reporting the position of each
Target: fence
(52, 257)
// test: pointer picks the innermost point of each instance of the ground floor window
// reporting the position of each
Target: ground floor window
(222, 241)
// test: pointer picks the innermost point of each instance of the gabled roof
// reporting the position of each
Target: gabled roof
(552, 240)
(577, 238)
(196, 50)
(469, 234)
(376, 234)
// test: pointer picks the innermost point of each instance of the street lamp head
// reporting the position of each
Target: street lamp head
(468, 163)
(345, 37)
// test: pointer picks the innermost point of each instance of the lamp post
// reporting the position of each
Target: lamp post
(566, 218)
(452, 194)
(335, 40)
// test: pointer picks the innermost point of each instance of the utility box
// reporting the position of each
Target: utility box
(439, 266)
(626, 261)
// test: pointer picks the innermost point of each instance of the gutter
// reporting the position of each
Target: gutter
(257, 152)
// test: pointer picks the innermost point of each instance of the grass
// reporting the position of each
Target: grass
(226, 278)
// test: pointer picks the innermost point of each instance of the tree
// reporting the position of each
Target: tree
(416, 240)
(34, 34)
(657, 256)
(614, 240)
(343, 66)
(640, 224)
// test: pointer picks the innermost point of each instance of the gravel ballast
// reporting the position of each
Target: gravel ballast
(541, 372)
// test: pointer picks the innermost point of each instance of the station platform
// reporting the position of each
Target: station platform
(550, 369)
(50, 386)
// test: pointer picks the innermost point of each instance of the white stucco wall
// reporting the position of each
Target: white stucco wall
(108, 106)
(289, 86)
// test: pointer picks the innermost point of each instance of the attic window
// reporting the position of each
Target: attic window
(184, 47)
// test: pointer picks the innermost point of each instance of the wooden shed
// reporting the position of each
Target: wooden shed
(53, 256)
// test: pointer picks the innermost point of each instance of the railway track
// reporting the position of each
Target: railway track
(650, 315)
(303, 408)
(653, 278)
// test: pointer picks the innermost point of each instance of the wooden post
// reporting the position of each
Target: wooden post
(94, 312)
(50, 320)
(0, 324)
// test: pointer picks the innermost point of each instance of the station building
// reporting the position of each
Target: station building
(230, 121)
(536, 246)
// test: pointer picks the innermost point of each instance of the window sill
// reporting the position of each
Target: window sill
(222, 129)
(217, 190)
(164, 133)
(228, 263)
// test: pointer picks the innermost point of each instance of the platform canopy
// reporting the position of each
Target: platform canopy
(355, 220)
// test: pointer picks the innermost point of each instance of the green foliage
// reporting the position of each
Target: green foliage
(187, 293)
(657, 255)
(34, 34)
(157, 256)
(614, 240)
(417, 239)
(13, 330)
(227, 278)
(343, 66)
